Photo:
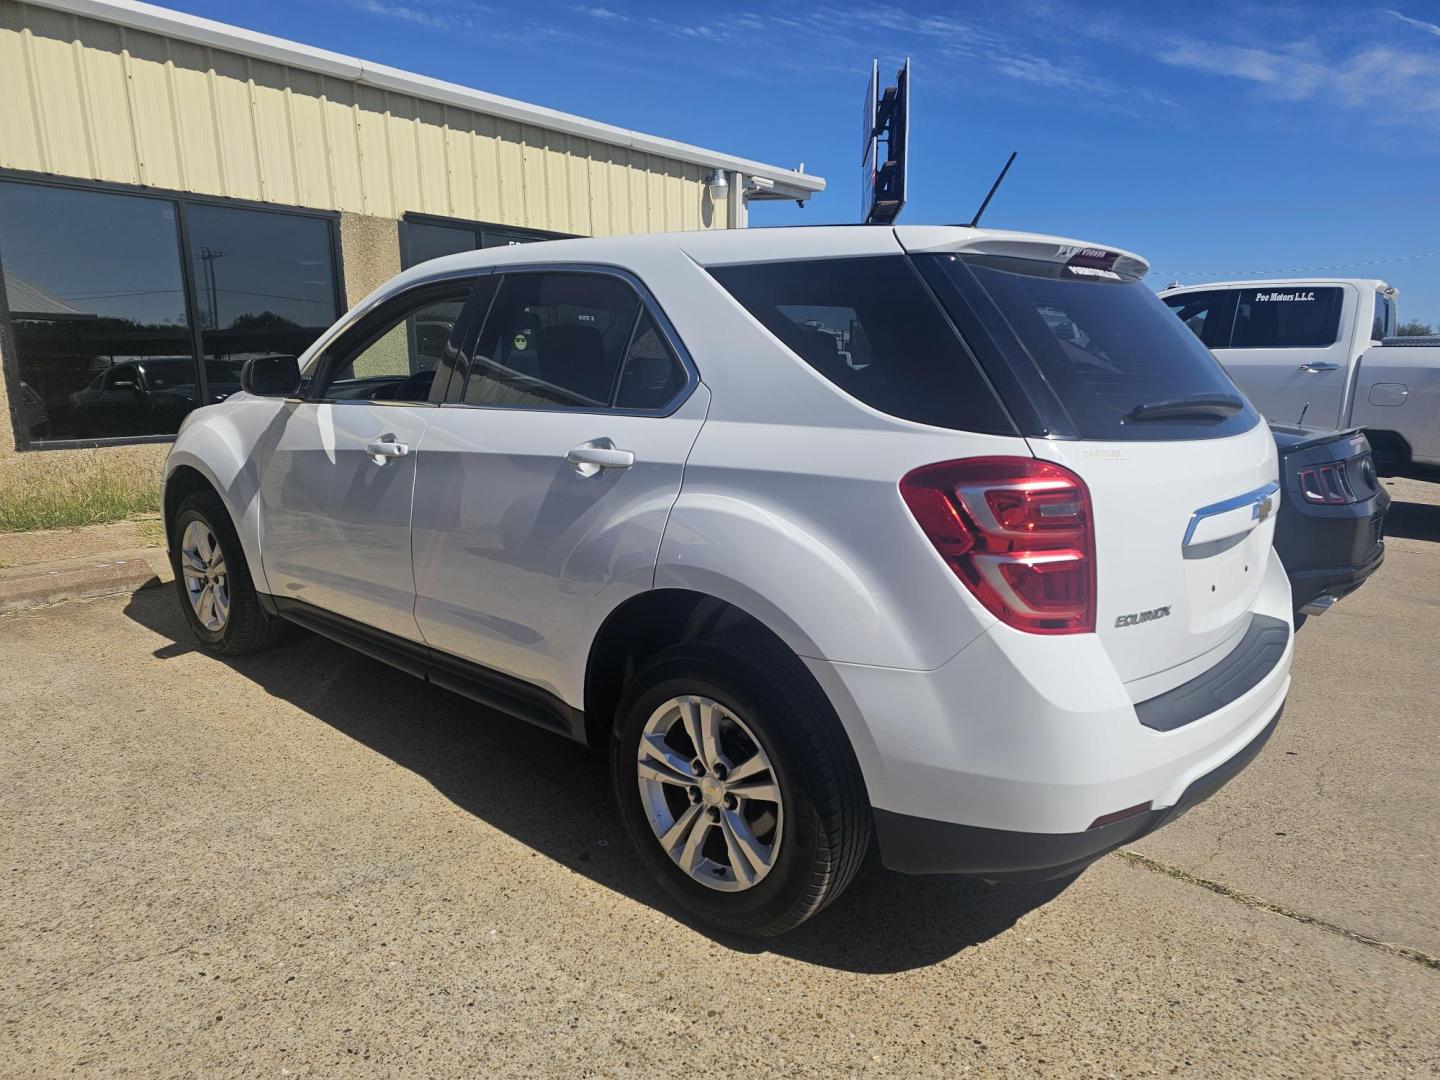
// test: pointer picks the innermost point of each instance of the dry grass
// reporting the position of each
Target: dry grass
(65, 491)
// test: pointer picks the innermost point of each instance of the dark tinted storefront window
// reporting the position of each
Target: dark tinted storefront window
(424, 242)
(93, 282)
(264, 285)
(426, 239)
(96, 281)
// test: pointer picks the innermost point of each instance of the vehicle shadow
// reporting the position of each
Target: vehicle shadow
(554, 797)
(1413, 521)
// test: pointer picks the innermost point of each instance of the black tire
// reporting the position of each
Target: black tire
(249, 628)
(826, 822)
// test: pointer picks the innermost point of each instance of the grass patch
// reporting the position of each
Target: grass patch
(73, 491)
(152, 532)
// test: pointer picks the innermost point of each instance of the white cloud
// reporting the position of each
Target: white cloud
(1301, 72)
(1294, 73)
(600, 13)
(1418, 24)
(406, 13)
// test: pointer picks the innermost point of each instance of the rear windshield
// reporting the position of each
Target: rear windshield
(870, 327)
(1098, 355)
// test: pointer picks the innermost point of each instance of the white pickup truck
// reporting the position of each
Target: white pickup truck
(1320, 351)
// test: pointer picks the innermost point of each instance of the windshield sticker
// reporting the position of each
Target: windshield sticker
(1281, 297)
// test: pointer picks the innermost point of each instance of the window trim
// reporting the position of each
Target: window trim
(324, 362)
(181, 200)
(648, 303)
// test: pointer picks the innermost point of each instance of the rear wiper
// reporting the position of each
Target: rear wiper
(1216, 406)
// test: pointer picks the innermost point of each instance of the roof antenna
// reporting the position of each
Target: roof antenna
(975, 221)
(1302, 414)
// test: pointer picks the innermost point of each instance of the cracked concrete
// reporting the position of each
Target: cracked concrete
(1338, 816)
(305, 862)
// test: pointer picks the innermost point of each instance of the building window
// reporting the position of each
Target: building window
(115, 298)
(423, 238)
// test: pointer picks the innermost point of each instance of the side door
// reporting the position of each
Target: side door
(337, 485)
(544, 487)
(1287, 352)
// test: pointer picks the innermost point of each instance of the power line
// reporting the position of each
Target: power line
(1293, 269)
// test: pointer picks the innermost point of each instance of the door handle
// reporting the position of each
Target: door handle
(1317, 366)
(384, 448)
(590, 458)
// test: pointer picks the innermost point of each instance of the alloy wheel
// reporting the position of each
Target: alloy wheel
(202, 562)
(710, 793)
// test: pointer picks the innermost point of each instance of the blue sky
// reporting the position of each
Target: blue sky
(1214, 139)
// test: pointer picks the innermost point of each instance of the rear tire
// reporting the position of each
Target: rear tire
(761, 865)
(213, 581)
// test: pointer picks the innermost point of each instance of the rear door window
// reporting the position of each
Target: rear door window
(1287, 318)
(1095, 353)
(869, 326)
(1208, 314)
(553, 340)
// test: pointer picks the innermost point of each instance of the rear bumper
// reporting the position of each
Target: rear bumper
(1328, 550)
(1022, 742)
(1306, 586)
(915, 845)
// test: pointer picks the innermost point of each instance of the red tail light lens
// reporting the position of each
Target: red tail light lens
(1018, 532)
(1326, 484)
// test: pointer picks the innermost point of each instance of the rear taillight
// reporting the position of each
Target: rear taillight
(1018, 532)
(1326, 484)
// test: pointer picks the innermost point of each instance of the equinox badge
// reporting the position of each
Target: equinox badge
(1135, 618)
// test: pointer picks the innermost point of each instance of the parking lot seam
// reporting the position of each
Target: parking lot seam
(1405, 952)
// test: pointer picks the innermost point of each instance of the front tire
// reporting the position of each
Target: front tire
(737, 785)
(213, 581)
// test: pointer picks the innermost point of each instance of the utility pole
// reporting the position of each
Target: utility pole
(208, 255)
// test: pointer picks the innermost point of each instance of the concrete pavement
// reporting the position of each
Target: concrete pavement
(304, 863)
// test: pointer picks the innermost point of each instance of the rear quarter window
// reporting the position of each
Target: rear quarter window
(871, 328)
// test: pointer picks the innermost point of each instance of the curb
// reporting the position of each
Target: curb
(42, 584)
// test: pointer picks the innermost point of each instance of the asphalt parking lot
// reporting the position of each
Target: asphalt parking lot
(303, 863)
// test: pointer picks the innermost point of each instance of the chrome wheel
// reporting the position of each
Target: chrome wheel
(710, 793)
(206, 584)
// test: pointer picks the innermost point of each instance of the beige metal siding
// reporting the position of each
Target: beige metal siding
(89, 99)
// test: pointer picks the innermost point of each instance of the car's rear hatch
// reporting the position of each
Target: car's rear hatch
(1102, 379)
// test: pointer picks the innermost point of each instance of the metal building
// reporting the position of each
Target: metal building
(177, 195)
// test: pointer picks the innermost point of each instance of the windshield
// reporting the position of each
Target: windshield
(1096, 352)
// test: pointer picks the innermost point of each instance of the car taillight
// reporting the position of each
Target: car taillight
(1326, 484)
(1018, 532)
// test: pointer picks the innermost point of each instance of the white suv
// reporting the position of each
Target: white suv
(951, 534)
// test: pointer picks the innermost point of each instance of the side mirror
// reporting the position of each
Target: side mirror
(271, 376)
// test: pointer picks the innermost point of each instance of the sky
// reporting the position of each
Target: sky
(1223, 139)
